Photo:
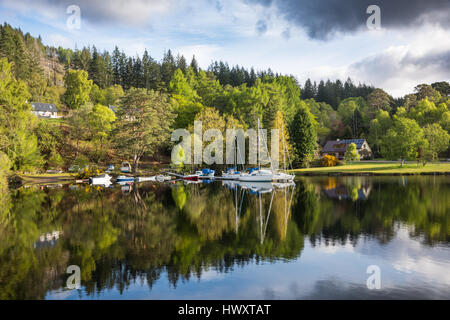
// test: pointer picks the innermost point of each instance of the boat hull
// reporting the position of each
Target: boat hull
(143, 179)
(194, 177)
(228, 176)
(256, 178)
(124, 179)
(100, 180)
(283, 177)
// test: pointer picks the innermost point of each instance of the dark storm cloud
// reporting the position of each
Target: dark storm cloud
(395, 68)
(440, 61)
(323, 19)
(388, 64)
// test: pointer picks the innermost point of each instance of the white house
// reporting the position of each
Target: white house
(44, 110)
(337, 148)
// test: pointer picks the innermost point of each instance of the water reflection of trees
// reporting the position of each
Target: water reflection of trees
(421, 203)
(183, 230)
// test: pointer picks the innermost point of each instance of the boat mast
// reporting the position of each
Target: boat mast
(257, 147)
(267, 148)
(284, 151)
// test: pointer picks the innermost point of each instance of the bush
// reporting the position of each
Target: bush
(81, 161)
(351, 154)
(5, 164)
(55, 161)
(329, 161)
(88, 172)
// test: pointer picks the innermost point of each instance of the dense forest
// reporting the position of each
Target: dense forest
(163, 95)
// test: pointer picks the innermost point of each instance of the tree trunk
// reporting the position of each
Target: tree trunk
(136, 159)
(77, 149)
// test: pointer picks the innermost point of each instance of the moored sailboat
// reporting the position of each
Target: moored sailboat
(283, 176)
(257, 174)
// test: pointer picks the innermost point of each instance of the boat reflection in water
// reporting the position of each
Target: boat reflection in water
(258, 189)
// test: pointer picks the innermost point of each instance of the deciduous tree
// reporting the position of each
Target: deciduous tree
(144, 119)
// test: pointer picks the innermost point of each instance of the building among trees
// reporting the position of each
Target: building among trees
(337, 148)
(44, 110)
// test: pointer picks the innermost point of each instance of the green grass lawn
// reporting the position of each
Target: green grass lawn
(46, 177)
(377, 168)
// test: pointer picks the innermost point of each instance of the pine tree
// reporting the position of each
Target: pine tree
(321, 93)
(181, 63)
(194, 64)
(303, 136)
(308, 90)
(116, 66)
(168, 67)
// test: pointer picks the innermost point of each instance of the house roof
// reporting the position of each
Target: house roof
(341, 145)
(45, 107)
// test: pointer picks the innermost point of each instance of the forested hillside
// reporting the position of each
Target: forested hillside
(175, 91)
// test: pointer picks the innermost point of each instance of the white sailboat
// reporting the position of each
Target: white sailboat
(283, 176)
(233, 173)
(257, 175)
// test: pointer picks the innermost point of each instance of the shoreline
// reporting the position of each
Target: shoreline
(321, 174)
(382, 168)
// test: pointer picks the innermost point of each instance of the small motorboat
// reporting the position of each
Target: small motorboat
(103, 179)
(110, 168)
(124, 179)
(125, 167)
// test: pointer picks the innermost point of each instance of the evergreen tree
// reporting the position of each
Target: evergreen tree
(116, 66)
(181, 63)
(194, 64)
(308, 90)
(168, 67)
(303, 136)
(321, 93)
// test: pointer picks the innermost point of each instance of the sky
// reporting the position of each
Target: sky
(305, 38)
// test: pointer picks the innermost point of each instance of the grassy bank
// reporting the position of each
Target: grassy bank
(46, 178)
(378, 168)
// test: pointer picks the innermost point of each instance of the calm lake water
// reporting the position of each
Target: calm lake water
(311, 240)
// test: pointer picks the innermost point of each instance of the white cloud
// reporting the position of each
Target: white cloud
(136, 12)
(204, 54)
(57, 40)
